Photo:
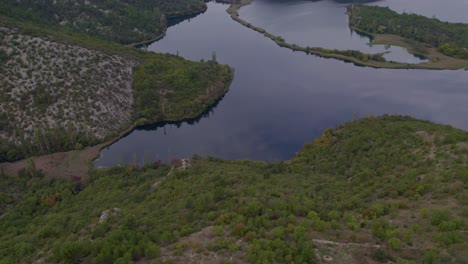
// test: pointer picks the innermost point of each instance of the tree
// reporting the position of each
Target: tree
(213, 57)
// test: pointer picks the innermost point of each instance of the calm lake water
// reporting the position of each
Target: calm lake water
(281, 99)
(325, 24)
(446, 10)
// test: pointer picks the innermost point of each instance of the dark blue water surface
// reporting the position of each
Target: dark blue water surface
(281, 99)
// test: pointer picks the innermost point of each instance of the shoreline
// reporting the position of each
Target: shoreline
(80, 162)
(163, 33)
(138, 123)
(149, 41)
(442, 62)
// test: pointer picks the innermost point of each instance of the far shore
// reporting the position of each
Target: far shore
(437, 60)
(163, 33)
(149, 41)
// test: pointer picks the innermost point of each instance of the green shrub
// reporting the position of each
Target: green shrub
(72, 252)
(424, 213)
(438, 216)
(379, 229)
(218, 230)
(430, 257)
(394, 243)
(452, 225)
(78, 146)
(449, 238)
(381, 256)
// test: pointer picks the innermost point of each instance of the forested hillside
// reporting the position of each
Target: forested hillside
(379, 190)
(122, 21)
(450, 38)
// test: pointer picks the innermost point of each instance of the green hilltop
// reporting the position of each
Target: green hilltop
(385, 189)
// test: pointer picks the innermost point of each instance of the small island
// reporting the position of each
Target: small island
(448, 53)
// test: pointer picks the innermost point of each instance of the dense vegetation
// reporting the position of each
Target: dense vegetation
(450, 38)
(171, 89)
(384, 189)
(351, 53)
(121, 21)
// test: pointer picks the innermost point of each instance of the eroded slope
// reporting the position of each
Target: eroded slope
(50, 86)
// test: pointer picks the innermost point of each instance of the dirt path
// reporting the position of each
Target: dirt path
(3, 215)
(362, 245)
(61, 164)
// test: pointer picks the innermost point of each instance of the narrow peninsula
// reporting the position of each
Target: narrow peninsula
(442, 55)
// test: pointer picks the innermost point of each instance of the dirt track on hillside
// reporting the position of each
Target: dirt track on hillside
(61, 164)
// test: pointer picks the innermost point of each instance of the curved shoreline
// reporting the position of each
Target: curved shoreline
(149, 41)
(340, 54)
(138, 123)
(80, 162)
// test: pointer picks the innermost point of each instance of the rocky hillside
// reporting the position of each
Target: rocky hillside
(46, 85)
(379, 190)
